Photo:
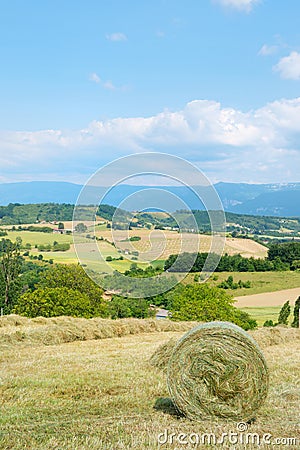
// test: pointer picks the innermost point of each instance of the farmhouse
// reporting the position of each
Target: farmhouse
(62, 231)
(162, 314)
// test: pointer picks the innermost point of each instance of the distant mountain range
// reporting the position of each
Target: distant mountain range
(256, 199)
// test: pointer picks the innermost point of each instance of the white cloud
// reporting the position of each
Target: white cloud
(94, 77)
(228, 144)
(109, 85)
(268, 50)
(242, 5)
(289, 66)
(116, 37)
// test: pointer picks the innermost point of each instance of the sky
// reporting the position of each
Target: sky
(216, 82)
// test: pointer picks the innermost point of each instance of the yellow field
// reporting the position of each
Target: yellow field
(160, 244)
(103, 394)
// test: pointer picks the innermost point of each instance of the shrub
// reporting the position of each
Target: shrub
(44, 248)
(120, 307)
(243, 319)
(229, 284)
(63, 247)
(269, 323)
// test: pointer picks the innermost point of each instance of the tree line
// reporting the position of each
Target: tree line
(281, 257)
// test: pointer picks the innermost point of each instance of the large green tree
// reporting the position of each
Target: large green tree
(51, 302)
(10, 269)
(203, 303)
(72, 276)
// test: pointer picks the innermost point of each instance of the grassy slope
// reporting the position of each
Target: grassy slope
(35, 237)
(261, 281)
(101, 395)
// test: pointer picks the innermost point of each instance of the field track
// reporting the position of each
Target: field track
(268, 298)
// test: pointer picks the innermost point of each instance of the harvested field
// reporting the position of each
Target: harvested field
(16, 329)
(103, 394)
(268, 298)
(160, 244)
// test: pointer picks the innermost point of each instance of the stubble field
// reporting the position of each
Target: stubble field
(101, 394)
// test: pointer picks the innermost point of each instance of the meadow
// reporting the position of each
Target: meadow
(103, 394)
(261, 314)
(260, 281)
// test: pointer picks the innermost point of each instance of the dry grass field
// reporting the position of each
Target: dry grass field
(103, 394)
(160, 244)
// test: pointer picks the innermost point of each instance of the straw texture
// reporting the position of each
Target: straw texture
(217, 369)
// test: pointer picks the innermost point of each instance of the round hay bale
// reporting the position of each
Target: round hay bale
(161, 356)
(217, 369)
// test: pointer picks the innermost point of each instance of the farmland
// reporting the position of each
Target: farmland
(261, 282)
(163, 243)
(153, 245)
(262, 314)
(96, 394)
(156, 245)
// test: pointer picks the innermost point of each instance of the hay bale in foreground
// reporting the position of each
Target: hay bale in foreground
(265, 337)
(217, 369)
(161, 357)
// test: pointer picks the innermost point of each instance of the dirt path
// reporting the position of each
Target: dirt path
(268, 298)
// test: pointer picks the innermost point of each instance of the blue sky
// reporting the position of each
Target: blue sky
(214, 81)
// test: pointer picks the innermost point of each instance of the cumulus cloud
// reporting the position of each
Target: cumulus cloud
(289, 66)
(228, 144)
(116, 37)
(242, 5)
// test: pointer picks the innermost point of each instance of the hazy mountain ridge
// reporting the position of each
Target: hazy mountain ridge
(257, 199)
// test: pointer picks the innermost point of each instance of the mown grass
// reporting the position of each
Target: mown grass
(102, 394)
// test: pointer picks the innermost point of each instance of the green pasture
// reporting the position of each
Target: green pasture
(36, 237)
(89, 256)
(265, 313)
(260, 281)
